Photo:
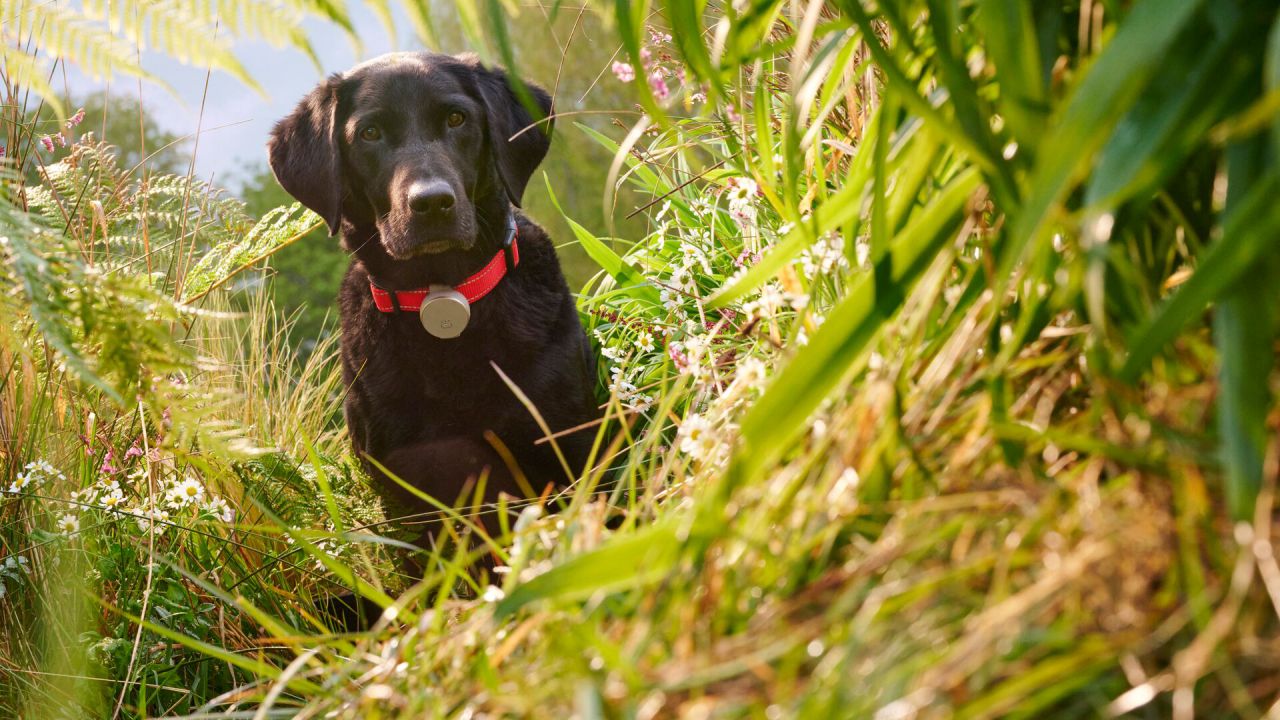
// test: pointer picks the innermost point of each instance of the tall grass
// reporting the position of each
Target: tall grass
(941, 384)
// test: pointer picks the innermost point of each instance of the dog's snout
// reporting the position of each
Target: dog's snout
(431, 197)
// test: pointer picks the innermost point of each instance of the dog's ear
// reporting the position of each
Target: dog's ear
(516, 158)
(303, 152)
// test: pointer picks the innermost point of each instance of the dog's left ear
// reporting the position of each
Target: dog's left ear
(303, 152)
(516, 158)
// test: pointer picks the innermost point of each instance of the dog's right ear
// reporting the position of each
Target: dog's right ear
(303, 152)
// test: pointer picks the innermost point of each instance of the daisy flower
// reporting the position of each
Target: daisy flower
(696, 438)
(68, 524)
(111, 500)
(146, 517)
(220, 509)
(645, 342)
(187, 492)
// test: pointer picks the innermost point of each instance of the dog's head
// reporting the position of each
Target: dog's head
(427, 148)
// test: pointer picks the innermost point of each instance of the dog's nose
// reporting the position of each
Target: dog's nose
(431, 197)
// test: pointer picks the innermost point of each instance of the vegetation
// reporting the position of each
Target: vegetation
(940, 381)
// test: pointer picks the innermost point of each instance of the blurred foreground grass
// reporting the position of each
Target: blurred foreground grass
(942, 384)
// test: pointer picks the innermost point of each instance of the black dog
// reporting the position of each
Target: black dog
(415, 158)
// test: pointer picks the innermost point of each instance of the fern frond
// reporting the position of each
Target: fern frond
(102, 37)
(275, 230)
(25, 70)
(68, 35)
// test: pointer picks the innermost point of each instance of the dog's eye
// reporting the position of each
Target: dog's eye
(456, 118)
(371, 133)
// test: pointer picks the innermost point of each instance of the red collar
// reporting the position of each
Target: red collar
(473, 288)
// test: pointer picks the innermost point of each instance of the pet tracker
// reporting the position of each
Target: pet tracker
(445, 312)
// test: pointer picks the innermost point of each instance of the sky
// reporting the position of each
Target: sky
(237, 119)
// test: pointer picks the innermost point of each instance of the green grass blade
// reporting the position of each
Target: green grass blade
(1171, 118)
(1251, 232)
(1109, 88)
(1244, 331)
(1011, 44)
(630, 280)
(626, 561)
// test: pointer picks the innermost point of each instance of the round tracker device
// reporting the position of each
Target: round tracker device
(444, 312)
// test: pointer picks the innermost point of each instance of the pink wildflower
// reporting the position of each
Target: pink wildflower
(47, 142)
(658, 84)
(133, 452)
(76, 119)
(624, 71)
(107, 457)
(677, 356)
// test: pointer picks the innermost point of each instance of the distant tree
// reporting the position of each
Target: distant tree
(115, 119)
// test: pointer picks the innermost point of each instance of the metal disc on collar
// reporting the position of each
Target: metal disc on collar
(445, 312)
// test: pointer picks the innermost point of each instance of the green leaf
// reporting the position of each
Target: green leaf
(1251, 232)
(1011, 44)
(1171, 118)
(1110, 87)
(625, 561)
(629, 279)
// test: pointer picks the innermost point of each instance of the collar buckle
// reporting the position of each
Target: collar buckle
(508, 245)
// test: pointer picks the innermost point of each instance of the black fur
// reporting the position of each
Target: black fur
(422, 406)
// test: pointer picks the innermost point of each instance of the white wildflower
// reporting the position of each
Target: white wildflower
(220, 509)
(742, 194)
(682, 279)
(769, 303)
(670, 300)
(33, 474)
(691, 255)
(638, 402)
(696, 437)
(68, 524)
(493, 594)
(157, 516)
(20, 483)
(645, 342)
(187, 492)
(742, 191)
(861, 251)
(751, 374)
(111, 499)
